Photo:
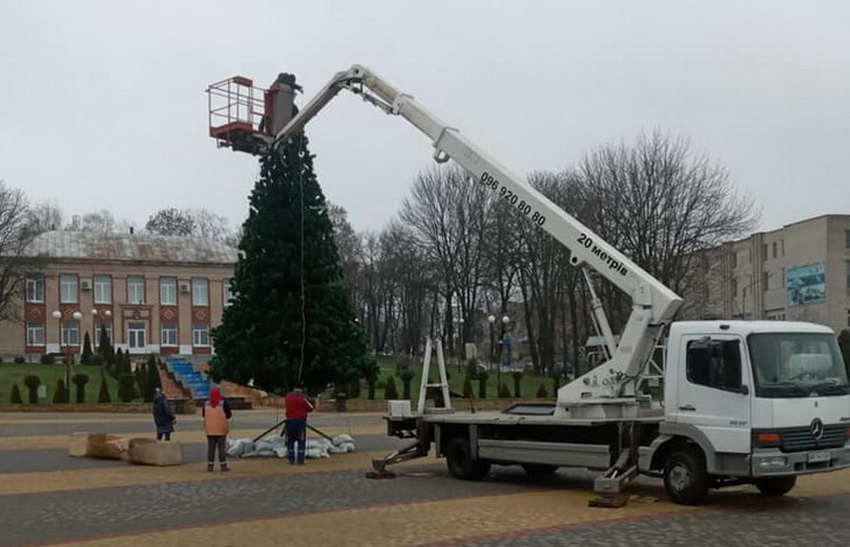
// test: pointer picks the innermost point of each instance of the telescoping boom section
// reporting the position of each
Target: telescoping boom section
(653, 304)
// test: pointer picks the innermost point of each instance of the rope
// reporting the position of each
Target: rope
(303, 289)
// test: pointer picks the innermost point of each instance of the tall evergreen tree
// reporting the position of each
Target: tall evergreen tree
(291, 319)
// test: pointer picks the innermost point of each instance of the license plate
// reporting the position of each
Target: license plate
(818, 457)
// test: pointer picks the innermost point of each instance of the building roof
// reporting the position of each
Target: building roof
(100, 247)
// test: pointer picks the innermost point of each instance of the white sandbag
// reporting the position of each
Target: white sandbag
(238, 448)
(339, 439)
(316, 453)
(346, 447)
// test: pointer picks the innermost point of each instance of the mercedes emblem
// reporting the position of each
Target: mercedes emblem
(816, 428)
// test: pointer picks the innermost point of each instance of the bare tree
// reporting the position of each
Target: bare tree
(412, 278)
(660, 203)
(349, 246)
(44, 218)
(449, 215)
(171, 222)
(16, 233)
(102, 222)
(191, 222)
(211, 225)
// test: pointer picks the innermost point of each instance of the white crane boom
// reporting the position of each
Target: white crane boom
(653, 304)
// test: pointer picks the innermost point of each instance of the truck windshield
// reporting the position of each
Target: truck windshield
(797, 365)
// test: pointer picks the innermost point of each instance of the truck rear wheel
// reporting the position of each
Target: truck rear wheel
(461, 463)
(776, 486)
(685, 477)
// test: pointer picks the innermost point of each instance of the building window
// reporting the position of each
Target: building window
(35, 334)
(765, 281)
(102, 289)
(782, 246)
(200, 292)
(168, 291)
(781, 278)
(764, 252)
(847, 270)
(136, 334)
(35, 289)
(847, 239)
(773, 245)
(201, 335)
(70, 333)
(169, 334)
(228, 293)
(734, 288)
(135, 289)
(734, 259)
(68, 289)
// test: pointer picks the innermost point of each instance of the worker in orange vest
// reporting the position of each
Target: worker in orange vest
(216, 413)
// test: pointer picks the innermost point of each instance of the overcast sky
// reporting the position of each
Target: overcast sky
(102, 104)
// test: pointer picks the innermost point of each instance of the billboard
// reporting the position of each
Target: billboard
(807, 284)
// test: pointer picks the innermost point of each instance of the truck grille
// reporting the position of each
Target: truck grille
(798, 439)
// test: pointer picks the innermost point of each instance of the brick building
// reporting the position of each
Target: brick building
(798, 272)
(153, 294)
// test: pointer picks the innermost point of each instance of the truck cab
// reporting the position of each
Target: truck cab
(754, 401)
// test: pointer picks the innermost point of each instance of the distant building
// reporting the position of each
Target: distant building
(152, 294)
(798, 272)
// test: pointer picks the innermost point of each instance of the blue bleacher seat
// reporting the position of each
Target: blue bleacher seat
(197, 382)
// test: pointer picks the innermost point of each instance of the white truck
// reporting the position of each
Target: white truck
(745, 402)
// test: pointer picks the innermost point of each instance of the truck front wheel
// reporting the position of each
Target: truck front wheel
(461, 463)
(685, 477)
(776, 486)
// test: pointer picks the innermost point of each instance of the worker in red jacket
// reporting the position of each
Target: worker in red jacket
(297, 409)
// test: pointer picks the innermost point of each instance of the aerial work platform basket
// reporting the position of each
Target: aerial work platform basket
(244, 117)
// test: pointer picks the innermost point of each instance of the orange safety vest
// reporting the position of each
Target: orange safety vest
(215, 420)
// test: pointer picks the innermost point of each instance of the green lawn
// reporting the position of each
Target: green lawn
(528, 385)
(13, 373)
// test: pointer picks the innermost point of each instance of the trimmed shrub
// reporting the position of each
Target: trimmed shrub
(32, 382)
(19, 359)
(482, 384)
(406, 378)
(390, 392)
(471, 368)
(103, 395)
(153, 376)
(85, 357)
(15, 396)
(47, 359)
(61, 395)
(126, 387)
(468, 393)
(80, 380)
(517, 383)
(541, 392)
(504, 392)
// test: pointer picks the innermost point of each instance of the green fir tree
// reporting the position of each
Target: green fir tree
(85, 357)
(291, 319)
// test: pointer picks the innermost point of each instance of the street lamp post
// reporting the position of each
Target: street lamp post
(506, 346)
(460, 354)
